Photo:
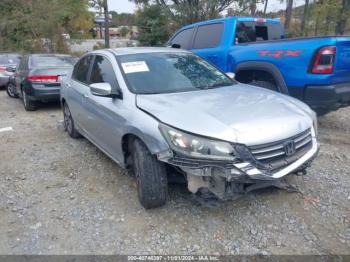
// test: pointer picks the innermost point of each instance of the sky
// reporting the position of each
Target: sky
(125, 6)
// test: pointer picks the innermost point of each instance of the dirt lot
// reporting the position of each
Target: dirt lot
(63, 196)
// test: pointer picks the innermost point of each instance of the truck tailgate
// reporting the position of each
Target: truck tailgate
(342, 62)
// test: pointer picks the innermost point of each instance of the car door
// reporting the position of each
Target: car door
(102, 116)
(21, 73)
(77, 87)
(207, 44)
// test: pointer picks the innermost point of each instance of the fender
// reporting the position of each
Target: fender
(267, 67)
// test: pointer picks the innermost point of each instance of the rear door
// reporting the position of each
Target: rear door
(208, 44)
(342, 61)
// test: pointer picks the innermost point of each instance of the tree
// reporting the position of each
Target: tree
(153, 25)
(103, 5)
(265, 7)
(304, 17)
(38, 25)
(289, 10)
(344, 13)
(189, 11)
(124, 31)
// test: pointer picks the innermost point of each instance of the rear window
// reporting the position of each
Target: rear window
(252, 32)
(10, 59)
(53, 61)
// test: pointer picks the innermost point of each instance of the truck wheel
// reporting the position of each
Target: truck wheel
(11, 90)
(69, 123)
(29, 105)
(151, 176)
(265, 84)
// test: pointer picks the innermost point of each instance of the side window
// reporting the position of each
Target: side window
(208, 36)
(81, 69)
(183, 38)
(245, 32)
(102, 72)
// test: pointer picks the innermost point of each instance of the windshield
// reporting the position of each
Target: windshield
(53, 61)
(156, 73)
(9, 59)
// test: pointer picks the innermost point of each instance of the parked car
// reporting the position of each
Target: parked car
(153, 109)
(8, 64)
(37, 77)
(315, 70)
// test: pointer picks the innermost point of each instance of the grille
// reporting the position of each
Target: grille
(182, 161)
(273, 156)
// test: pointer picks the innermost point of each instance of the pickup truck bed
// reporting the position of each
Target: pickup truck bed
(315, 70)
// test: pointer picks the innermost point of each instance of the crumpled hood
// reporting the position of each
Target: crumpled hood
(239, 113)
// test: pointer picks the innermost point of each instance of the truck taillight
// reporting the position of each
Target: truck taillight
(43, 78)
(323, 62)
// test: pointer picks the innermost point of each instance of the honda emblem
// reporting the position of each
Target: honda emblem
(289, 148)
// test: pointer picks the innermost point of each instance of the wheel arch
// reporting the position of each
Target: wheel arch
(153, 145)
(264, 67)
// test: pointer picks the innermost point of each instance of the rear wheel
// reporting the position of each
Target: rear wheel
(11, 90)
(29, 105)
(151, 176)
(69, 125)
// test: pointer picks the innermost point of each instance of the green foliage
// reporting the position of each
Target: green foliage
(38, 25)
(153, 25)
(189, 11)
(124, 31)
(122, 19)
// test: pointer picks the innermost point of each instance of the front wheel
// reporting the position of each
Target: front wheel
(151, 177)
(11, 90)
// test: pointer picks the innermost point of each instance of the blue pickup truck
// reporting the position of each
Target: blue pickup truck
(315, 70)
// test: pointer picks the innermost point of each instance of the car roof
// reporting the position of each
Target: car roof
(238, 18)
(144, 50)
(49, 54)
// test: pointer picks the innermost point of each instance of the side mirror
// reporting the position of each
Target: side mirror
(11, 69)
(104, 89)
(176, 46)
(231, 75)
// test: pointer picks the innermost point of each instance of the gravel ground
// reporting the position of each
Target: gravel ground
(64, 196)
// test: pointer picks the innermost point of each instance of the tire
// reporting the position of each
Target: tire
(68, 123)
(151, 176)
(29, 105)
(322, 111)
(11, 90)
(265, 84)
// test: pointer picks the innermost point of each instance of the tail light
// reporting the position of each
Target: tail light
(323, 62)
(2, 69)
(43, 78)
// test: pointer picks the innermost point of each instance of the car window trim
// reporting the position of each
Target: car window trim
(89, 70)
(92, 64)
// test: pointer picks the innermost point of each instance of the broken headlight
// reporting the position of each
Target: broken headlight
(195, 146)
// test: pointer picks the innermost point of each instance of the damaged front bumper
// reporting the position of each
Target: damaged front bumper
(226, 179)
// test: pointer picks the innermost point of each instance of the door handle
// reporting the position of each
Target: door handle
(86, 95)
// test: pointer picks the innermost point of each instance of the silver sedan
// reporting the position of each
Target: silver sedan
(160, 110)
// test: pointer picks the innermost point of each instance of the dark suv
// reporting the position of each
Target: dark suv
(37, 77)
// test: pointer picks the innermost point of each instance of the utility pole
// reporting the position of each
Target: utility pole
(106, 12)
